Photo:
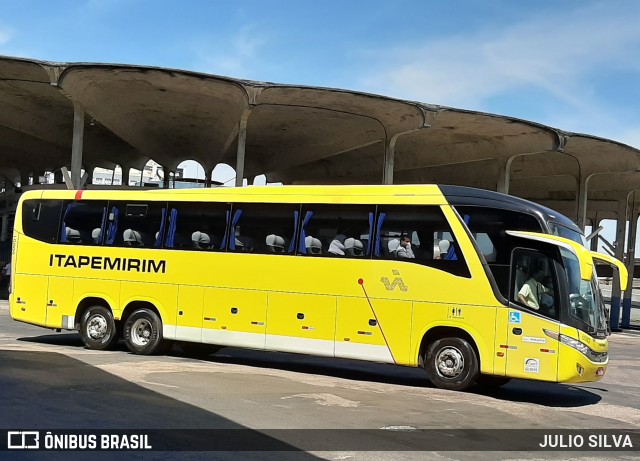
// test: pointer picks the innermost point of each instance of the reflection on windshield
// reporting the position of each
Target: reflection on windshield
(585, 304)
(562, 231)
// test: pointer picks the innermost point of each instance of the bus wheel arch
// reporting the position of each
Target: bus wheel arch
(450, 357)
(142, 329)
(96, 324)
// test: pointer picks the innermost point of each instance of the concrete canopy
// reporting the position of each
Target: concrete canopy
(294, 134)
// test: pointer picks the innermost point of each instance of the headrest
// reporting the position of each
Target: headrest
(444, 246)
(130, 235)
(200, 238)
(95, 234)
(274, 240)
(393, 244)
(72, 235)
(353, 243)
(313, 244)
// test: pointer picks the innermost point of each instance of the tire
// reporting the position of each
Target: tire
(492, 382)
(452, 363)
(98, 329)
(143, 333)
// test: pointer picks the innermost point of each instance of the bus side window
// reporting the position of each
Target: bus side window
(41, 219)
(267, 228)
(343, 231)
(534, 283)
(418, 234)
(83, 222)
(135, 224)
(196, 226)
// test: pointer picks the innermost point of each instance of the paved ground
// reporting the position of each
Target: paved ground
(49, 381)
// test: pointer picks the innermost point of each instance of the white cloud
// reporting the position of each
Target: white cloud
(6, 34)
(549, 53)
(235, 58)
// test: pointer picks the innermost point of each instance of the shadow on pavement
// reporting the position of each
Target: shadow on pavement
(46, 390)
(540, 393)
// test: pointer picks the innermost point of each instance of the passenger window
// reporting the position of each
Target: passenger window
(197, 226)
(419, 234)
(41, 219)
(337, 230)
(135, 224)
(534, 282)
(264, 228)
(83, 223)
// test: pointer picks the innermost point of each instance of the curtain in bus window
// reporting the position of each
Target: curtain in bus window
(232, 237)
(292, 244)
(102, 226)
(223, 245)
(63, 234)
(171, 233)
(370, 240)
(158, 241)
(113, 226)
(302, 247)
(378, 227)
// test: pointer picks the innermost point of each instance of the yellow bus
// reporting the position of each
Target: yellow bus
(415, 275)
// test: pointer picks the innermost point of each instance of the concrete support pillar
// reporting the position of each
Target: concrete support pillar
(616, 292)
(89, 174)
(389, 160)
(581, 212)
(633, 230)
(504, 176)
(125, 175)
(595, 222)
(242, 142)
(165, 177)
(4, 230)
(77, 144)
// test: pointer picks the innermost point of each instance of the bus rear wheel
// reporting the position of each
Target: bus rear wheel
(98, 328)
(451, 363)
(143, 333)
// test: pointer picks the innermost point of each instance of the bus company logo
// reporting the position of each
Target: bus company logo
(396, 283)
(23, 440)
(107, 263)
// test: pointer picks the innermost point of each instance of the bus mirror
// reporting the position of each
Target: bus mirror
(623, 275)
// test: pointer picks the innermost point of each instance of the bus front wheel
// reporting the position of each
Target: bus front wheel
(98, 328)
(143, 333)
(451, 363)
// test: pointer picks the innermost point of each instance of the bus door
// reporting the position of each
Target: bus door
(59, 300)
(534, 307)
(189, 313)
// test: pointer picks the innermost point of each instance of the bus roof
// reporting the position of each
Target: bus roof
(460, 195)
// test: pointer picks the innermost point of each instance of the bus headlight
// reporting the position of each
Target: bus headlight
(598, 357)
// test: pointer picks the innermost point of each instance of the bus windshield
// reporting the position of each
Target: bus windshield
(563, 231)
(585, 302)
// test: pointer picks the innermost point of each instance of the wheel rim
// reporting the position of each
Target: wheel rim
(141, 332)
(449, 362)
(97, 327)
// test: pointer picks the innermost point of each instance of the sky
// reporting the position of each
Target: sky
(573, 65)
